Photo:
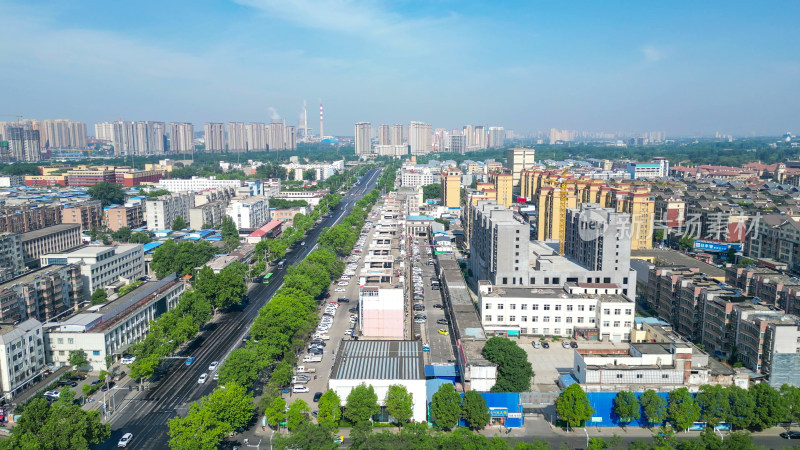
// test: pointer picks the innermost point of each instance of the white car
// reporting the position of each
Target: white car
(127, 360)
(340, 289)
(343, 283)
(299, 389)
(213, 366)
(125, 440)
(202, 378)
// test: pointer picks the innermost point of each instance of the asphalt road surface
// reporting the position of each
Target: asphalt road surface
(145, 413)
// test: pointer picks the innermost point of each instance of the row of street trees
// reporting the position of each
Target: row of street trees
(447, 408)
(211, 419)
(757, 408)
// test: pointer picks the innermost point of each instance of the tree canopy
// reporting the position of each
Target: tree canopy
(362, 404)
(514, 371)
(573, 407)
(446, 407)
(107, 193)
(399, 403)
(475, 411)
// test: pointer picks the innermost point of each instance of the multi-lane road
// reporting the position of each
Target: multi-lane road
(145, 413)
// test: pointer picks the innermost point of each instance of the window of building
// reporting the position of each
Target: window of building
(499, 318)
(592, 320)
(70, 341)
(546, 319)
(617, 312)
(500, 306)
(616, 323)
(556, 280)
(524, 306)
(95, 352)
(534, 318)
(60, 340)
(580, 319)
(558, 307)
(607, 280)
(665, 376)
(487, 318)
(505, 280)
(487, 306)
(581, 307)
(627, 324)
(546, 331)
(606, 323)
(606, 311)
(535, 307)
(512, 318)
(557, 319)
(557, 331)
(619, 375)
(639, 376)
(569, 307)
(569, 319)
(524, 318)
(628, 311)
(534, 330)
(592, 307)
(547, 307)
(513, 306)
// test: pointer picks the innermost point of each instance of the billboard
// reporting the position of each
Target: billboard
(716, 246)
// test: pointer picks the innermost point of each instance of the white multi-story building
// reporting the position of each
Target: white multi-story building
(363, 139)
(195, 184)
(181, 135)
(162, 211)
(22, 355)
(111, 328)
(418, 176)
(592, 310)
(249, 213)
(62, 133)
(322, 171)
(11, 259)
(397, 134)
(276, 136)
(420, 137)
(384, 135)
(215, 137)
(102, 265)
(390, 150)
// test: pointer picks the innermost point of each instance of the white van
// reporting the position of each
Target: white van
(299, 389)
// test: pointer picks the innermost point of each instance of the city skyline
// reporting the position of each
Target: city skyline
(685, 69)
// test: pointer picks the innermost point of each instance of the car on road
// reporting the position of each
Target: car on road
(443, 331)
(426, 348)
(189, 360)
(125, 440)
(303, 243)
(441, 321)
(202, 378)
(340, 289)
(213, 366)
(573, 344)
(338, 440)
(316, 351)
(317, 396)
(344, 300)
(565, 344)
(299, 389)
(216, 376)
(545, 345)
(353, 309)
(67, 382)
(348, 332)
(419, 320)
(437, 305)
(127, 360)
(77, 377)
(791, 435)
(52, 394)
(537, 344)
(342, 283)
(108, 386)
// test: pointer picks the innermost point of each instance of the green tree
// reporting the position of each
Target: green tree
(228, 228)
(242, 366)
(282, 374)
(658, 235)
(741, 407)
(330, 409)
(572, 405)
(231, 286)
(199, 430)
(140, 238)
(446, 407)
(310, 175)
(232, 406)
(475, 411)
(77, 358)
(275, 411)
(107, 193)
(713, 403)
(791, 395)
(432, 191)
(514, 371)
(99, 296)
(362, 404)
(654, 407)
(122, 235)
(771, 407)
(308, 436)
(178, 223)
(682, 410)
(626, 407)
(297, 414)
(399, 403)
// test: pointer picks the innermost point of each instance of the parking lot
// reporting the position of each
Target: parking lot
(340, 322)
(441, 349)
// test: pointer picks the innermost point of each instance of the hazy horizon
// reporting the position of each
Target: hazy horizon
(682, 68)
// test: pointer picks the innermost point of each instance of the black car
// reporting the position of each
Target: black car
(316, 351)
(317, 396)
(545, 345)
(318, 342)
(67, 383)
(343, 300)
(77, 377)
(791, 435)
(107, 386)
(438, 305)
(442, 321)
(353, 309)
(573, 344)
(420, 316)
(419, 307)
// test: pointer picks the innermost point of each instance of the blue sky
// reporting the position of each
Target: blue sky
(687, 68)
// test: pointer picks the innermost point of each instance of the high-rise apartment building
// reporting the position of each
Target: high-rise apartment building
(237, 137)
(62, 133)
(276, 136)
(451, 188)
(397, 134)
(23, 144)
(481, 138)
(420, 138)
(362, 138)
(181, 135)
(11, 259)
(215, 137)
(519, 159)
(596, 237)
(257, 137)
(290, 139)
(384, 135)
(504, 187)
(456, 143)
(469, 136)
(496, 137)
(150, 138)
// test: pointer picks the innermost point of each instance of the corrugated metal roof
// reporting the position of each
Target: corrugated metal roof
(379, 360)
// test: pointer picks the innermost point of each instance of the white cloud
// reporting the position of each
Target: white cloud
(362, 19)
(653, 54)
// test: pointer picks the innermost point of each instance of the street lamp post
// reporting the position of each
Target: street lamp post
(587, 437)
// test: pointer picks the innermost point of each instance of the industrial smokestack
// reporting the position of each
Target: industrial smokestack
(321, 123)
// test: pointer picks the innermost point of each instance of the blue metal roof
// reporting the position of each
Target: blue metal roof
(441, 370)
(432, 385)
(567, 380)
(419, 218)
(151, 245)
